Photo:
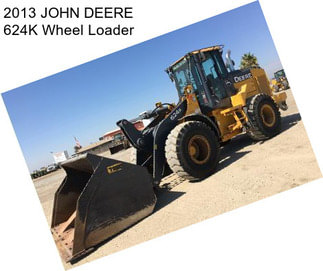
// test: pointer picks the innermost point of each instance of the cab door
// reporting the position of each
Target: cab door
(213, 80)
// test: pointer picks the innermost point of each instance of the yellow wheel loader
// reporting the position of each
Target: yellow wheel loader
(279, 82)
(101, 197)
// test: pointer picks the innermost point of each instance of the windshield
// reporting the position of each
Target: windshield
(280, 74)
(184, 75)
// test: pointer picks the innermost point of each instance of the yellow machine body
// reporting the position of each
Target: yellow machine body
(232, 119)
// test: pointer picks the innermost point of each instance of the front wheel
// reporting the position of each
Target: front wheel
(192, 150)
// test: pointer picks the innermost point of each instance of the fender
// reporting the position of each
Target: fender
(208, 121)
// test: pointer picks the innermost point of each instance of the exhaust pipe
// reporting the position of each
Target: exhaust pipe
(229, 62)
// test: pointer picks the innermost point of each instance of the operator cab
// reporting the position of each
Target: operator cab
(205, 70)
(279, 75)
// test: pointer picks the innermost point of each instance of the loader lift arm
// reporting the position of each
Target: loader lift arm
(151, 141)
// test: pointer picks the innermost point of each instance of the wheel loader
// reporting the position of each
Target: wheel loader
(100, 197)
(279, 82)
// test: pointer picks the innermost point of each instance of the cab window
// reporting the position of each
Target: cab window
(213, 82)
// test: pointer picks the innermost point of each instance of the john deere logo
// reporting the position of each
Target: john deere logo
(114, 168)
(228, 83)
(242, 77)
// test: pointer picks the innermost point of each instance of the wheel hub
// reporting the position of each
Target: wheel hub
(268, 116)
(199, 149)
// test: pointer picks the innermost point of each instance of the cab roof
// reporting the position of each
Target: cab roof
(207, 49)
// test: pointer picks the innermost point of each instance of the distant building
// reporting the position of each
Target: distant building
(112, 141)
(110, 135)
(117, 132)
(95, 148)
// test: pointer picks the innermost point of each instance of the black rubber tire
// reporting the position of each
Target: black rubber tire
(177, 152)
(259, 129)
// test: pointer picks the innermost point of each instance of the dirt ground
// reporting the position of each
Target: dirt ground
(248, 171)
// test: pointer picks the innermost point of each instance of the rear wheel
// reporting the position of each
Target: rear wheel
(192, 150)
(264, 117)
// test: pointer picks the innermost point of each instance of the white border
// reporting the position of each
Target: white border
(283, 232)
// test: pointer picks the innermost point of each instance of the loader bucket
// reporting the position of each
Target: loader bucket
(98, 198)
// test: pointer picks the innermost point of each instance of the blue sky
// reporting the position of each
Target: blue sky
(87, 100)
